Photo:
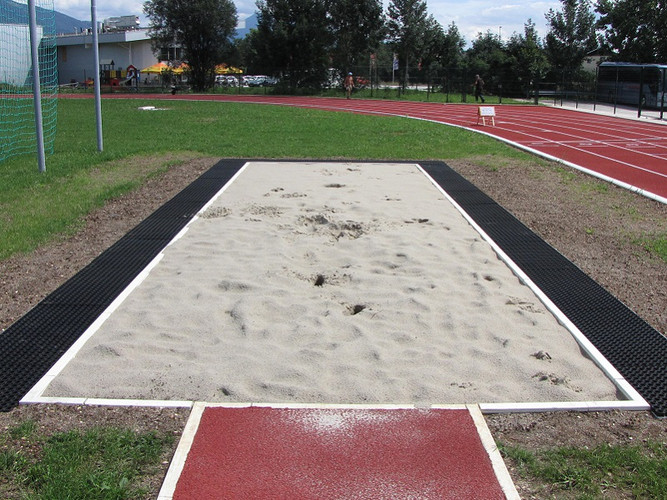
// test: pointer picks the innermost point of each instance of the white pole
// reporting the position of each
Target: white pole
(96, 66)
(36, 89)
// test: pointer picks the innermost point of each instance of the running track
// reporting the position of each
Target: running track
(629, 153)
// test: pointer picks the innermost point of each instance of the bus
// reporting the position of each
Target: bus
(635, 84)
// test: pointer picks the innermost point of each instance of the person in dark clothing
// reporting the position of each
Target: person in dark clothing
(478, 86)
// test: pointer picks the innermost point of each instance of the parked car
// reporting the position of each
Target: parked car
(226, 81)
(258, 81)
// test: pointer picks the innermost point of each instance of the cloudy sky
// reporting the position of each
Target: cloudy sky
(471, 16)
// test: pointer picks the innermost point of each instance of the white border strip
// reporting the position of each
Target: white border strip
(35, 394)
(486, 408)
(497, 462)
(634, 402)
(180, 456)
(602, 362)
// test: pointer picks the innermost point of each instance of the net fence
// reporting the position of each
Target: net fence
(17, 110)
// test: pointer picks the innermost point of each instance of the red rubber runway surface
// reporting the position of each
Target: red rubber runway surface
(242, 453)
(630, 152)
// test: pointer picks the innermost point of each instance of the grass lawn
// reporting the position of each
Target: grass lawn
(37, 207)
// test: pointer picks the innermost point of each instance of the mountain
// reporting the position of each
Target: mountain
(250, 23)
(67, 24)
(17, 13)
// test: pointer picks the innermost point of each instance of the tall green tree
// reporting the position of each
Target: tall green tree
(406, 25)
(433, 42)
(572, 35)
(488, 58)
(527, 58)
(635, 30)
(357, 28)
(203, 28)
(452, 48)
(292, 41)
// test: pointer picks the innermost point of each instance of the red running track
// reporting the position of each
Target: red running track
(627, 152)
(241, 453)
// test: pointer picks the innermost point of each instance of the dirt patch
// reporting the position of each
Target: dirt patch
(594, 224)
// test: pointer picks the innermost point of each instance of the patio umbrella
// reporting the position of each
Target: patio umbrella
(223, 69)
(180, 69)
(155, 68)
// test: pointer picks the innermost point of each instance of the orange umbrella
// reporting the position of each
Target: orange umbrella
(155, 68)
(223, 69)
(180, 69)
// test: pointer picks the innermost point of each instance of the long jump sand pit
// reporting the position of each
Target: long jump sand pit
(332, 283)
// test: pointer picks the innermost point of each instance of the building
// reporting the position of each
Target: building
(118, 50)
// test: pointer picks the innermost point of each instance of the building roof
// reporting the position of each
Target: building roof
(109, 37)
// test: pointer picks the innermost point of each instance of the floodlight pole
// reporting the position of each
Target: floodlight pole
(36, 89)
(96, 82)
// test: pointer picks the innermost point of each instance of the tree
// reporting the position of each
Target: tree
(572, 35)
(432, 44)
(203, 28)
(487, 57)
(635, 29)
(405, 26)
(452, 47)
(357, 28)
(527, 57)
(292, 41)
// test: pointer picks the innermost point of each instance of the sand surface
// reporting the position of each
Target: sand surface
(332, 283)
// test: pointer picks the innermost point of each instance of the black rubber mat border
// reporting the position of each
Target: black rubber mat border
(36, 341)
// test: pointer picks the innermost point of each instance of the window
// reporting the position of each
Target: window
(171, 54)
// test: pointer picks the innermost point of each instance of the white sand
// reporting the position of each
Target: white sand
(234, 313)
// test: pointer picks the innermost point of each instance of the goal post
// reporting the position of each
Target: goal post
(21, 97)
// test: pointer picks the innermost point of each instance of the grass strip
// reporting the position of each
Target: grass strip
(620, 471)
(100, 463)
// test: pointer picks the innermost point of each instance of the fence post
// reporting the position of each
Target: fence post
(662, 99)
(641, 92)
(464, 86)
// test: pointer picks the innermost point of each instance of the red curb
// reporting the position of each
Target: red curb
(337, 453)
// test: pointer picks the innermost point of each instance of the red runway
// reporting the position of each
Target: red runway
(628, 152)
(338, 453)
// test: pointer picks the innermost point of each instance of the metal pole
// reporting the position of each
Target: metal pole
(662, 99)
(36, 89)
(96, 63)
(641, 92)
(597, 81)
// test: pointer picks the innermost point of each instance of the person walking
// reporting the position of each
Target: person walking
(478, 86)
(348, 84)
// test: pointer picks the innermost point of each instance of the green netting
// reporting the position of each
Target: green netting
(17, 111)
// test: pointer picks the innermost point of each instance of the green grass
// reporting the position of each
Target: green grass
(35, 208)
(655, 244)
(101, 463)
(634, 471)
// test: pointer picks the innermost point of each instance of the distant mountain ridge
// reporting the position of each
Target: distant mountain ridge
(18, 13)
(250, 23)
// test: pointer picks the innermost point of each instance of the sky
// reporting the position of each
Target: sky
(502, 17)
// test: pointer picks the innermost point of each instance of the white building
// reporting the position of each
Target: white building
(124, 48)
